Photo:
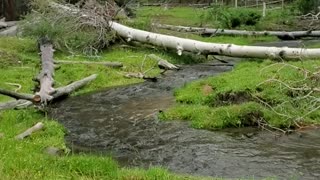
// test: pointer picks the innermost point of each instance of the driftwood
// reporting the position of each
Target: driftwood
(108, 64)
(16, 104)
(16, 95)
(162, 63)
(29, 131)
(227, 32)
(46, 75)
(11, 31)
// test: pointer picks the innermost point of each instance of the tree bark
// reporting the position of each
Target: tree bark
(181, 44)
(227, 32)
(46, 75)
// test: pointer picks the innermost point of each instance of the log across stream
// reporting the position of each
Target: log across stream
(122, 121)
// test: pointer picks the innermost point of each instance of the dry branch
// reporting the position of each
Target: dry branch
(217, 32)
(66, 90)
(16, 95)
(31, 130)
(162, 63)
(108, 64)
(16, 104)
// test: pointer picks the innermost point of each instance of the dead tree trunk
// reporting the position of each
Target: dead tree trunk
(226, 32)
(181, 44)
(45, 78)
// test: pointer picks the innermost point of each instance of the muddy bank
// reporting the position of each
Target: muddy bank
(122, 122)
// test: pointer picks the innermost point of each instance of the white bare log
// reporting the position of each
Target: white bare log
(163, 63)
(227, 32)
(108, 64)
(66, 90)
(16, 95)
(181, 44)
(46, 75)
(11, 31)
(29, 131)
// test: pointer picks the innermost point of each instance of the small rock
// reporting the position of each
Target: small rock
(1, 135)
(53, 151)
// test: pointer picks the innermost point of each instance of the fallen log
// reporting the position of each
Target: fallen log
(29, 131)
(162, 63)
(11, 31)
(108, 64)
(16, 104)
(181, 44)
(47, 72)
(16, 95)
(226, 32)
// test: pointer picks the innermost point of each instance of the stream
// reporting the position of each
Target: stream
(122, 122)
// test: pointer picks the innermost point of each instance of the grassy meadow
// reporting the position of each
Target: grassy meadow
(200, 102)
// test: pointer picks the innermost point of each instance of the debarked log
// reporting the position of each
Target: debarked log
(29, 131)
(227, 32)
(182, 44)
(47, 73)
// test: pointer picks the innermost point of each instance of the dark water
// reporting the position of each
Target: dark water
(122, 121)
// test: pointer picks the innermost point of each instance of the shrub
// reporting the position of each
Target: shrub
(307, 6)
(233, 17)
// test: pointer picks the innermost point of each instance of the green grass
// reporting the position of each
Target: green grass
(234, 99)
(25, 159)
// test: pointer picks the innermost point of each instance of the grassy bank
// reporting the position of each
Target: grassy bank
(253, 94)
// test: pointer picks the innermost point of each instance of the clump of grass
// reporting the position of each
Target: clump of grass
(245, 97)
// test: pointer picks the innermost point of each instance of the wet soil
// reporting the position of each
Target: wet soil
(122, 121)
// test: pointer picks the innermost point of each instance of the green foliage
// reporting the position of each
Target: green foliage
(244, 96)
(233, 17)
(307, 6)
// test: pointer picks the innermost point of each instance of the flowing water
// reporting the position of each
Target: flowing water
(122, 121)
